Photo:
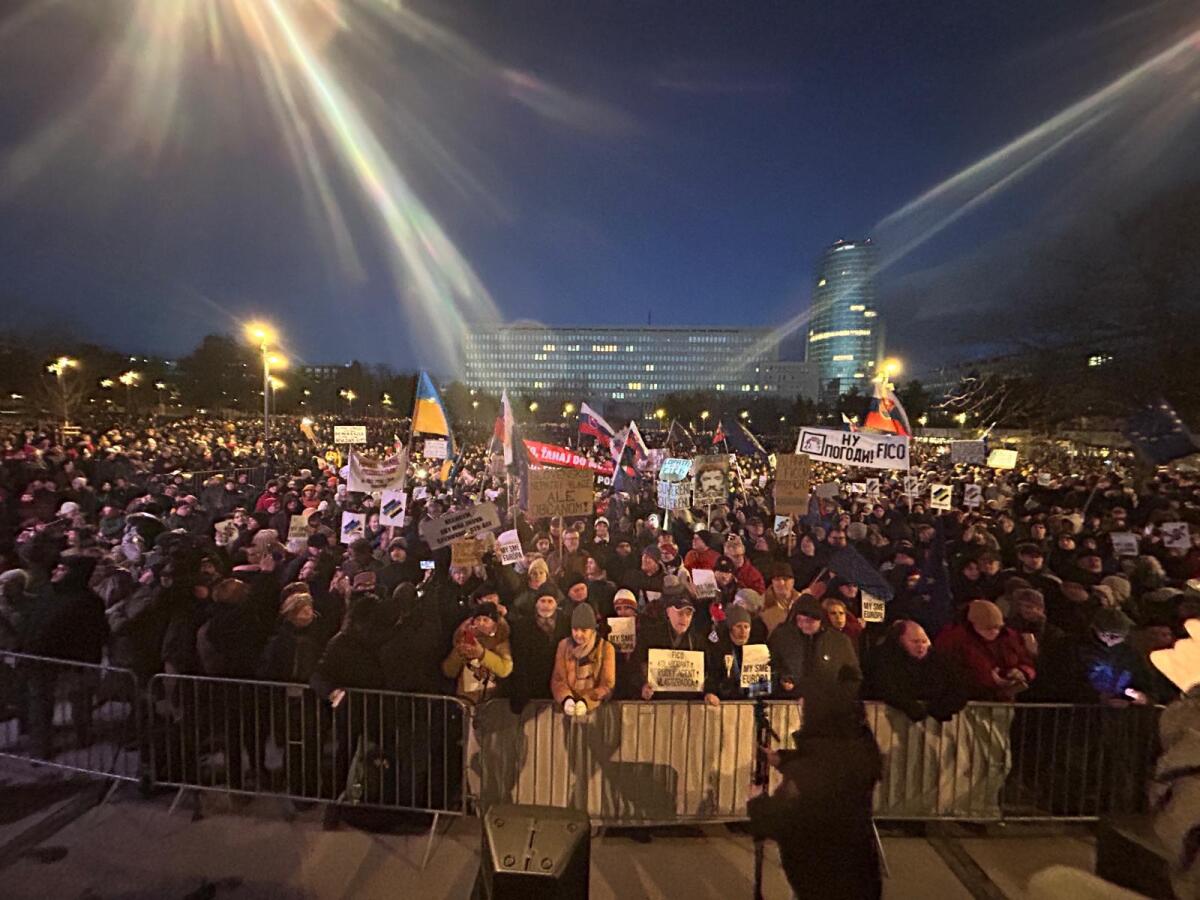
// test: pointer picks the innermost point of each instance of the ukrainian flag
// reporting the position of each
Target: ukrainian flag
(429, 417)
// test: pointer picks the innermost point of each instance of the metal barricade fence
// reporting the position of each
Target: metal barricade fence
(70, 715)
(663, 762)
(255, 476)
(375, 749)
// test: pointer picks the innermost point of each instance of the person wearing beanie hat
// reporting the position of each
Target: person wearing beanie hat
(624, 599)
(726, 659)
(294, 649)
(629, 670)
(1111, 670)
(701, 555)
(535, 639)
(584, 666)
(779, 597)
(810, 657)
(991, 660)
(481, 654)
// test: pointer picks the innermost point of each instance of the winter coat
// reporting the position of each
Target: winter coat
(916, 687)
(725, 669)
(824, 662)
(411, 654)
(68, 620)
(291, 655)
(604, 675)
(533, 656)
(478, 680)
(775, 608)
(1175, 791)
(973, 659)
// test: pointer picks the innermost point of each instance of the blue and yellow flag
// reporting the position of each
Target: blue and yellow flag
(429, 417)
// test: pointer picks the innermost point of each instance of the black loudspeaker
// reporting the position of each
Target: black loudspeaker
(534, 853)
(1129, 854)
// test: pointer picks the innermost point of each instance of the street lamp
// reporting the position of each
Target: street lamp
(387, 399)
(660, 414)
(704, 415)
(160, 386)
(106, 383)
(262, 335)
(745, 414)
(59, 368)
(889, 368)
(349, 396)
(568, 408)
(961, 418)
(129, 379)
(533, 407)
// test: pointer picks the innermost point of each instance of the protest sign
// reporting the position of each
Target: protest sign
(858, 487)
(967, 453)
(352, 526)
(446, 529)
(509, 548)
(710, 480)
(673, 495)
(872, 487)
(560, 492)
(828, 490)
(793, 473)
(756, 665)
(676, 670)
(855, 448)
(972, 495)
(705, 582)
(420, 492)
(552, 455)
(1044, 479)
(349, 434)
(369, 476)
(1124, 543)
(1175, 535)
(225, 532)
(783, 526)
(1002, 458)
(435, 448)
(622, 633)
(940, 496)
(674, 469)
(912, 486)
(297, 528)
(466, 552)
(873, 609)
(392, 506)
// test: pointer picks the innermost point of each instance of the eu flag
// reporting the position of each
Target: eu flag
(1158, 434)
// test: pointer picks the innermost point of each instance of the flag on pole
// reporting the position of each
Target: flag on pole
(740, 440)
(849, 423)
(886, 413)
(639, 446)
(429, 417)
(679, 436)
(719, 434)
(591, 422)
(503, 432)
(1159, 435)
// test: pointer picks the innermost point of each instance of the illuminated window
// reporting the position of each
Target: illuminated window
(857, 307)
(844, 357)
(870, 314)
(821, 283)
(1099, 359)
(859, 375)
(844, 332)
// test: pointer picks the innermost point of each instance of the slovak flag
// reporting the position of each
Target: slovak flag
(719, 434)
(886, 413)
(591, 422)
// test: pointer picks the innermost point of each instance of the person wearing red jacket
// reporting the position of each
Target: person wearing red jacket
(990, 657)
(743, 570)
(702, 555)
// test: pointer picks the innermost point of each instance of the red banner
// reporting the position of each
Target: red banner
(553, 455)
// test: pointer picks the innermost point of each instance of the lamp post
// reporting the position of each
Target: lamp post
(129, 379)
(263, 336)
(889, 368)
(349, 396)
(59, 368)
(160, 386)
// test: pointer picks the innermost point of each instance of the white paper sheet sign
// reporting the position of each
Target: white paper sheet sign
(783, 526)
(1002, 458)
(349, 434)
(972, 495)
(435, 448)
(391, 508)
(873, 609)
(509, 547)
(1125, 543)
(706, 583)
(872, 487)
(939, 496)
(756, 665)
(912, 485)
(680, 671)
(1175, 535)
(352, 526)
(622, 633)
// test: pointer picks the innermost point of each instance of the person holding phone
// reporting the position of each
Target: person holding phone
(989, 657)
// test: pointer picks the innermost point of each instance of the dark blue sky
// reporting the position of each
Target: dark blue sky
(688, 158)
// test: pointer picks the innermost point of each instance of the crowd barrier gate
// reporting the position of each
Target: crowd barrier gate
(664, 762)
(76, 716)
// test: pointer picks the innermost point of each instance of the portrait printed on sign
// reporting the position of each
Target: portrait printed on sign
(710, 480)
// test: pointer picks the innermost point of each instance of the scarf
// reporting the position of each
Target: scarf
(584, 669)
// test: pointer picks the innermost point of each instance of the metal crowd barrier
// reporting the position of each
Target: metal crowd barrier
(256, 476)
(374, 749)
(70, 715)
(664, 762)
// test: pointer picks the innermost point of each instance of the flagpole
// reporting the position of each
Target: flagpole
(412, 431)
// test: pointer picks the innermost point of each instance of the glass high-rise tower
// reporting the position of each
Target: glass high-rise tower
(845, 334)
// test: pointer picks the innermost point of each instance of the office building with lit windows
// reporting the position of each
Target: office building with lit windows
(845, 334)
(621, 364)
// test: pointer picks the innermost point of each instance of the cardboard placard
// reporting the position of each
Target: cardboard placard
(912, 486)
(298, 527)
(679, 671)
(828, 490)
(940, 496)
(225, 532)
(705, 581)
(1002, 458)
(509, 548)
(435, 448)
(973, 495)
(674, 495)
(967, 453)
(873, 609)
(444, 530)
(674, 469)
(1175, 535)
(756, 665)
(858, 487)
(392, 506)
(466, 552)
(352, 526)
(420, 492)
(1044, 479)
(560, 492)
(783, 526)
(1124, 543)
(349, 434)
(793, 475)
(710, 480)
(622, 633)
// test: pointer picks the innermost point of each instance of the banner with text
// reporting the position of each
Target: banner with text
(561, 492)
(553, 455)
(450, 527)
(855, 448)
(368, 475)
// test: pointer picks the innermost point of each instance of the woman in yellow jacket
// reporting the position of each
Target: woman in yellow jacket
(585, 666)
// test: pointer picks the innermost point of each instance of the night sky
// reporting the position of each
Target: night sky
(610, 161)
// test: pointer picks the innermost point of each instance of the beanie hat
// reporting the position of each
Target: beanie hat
(856, 531)
(573, 579)
(653, 553)
(781, 570)
(735, 615)
(1119, 587)
(624, 597)
(583, 616)
(984, 614)
(1111, 621)
(749, 598)
(808, 606)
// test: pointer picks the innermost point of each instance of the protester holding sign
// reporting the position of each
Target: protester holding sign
(677, 634)
(727, 665)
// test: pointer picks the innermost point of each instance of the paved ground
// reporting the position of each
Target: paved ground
(135, 849)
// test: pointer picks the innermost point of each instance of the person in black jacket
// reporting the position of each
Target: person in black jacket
(907, 675)
(534, 642)
(727, 658)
